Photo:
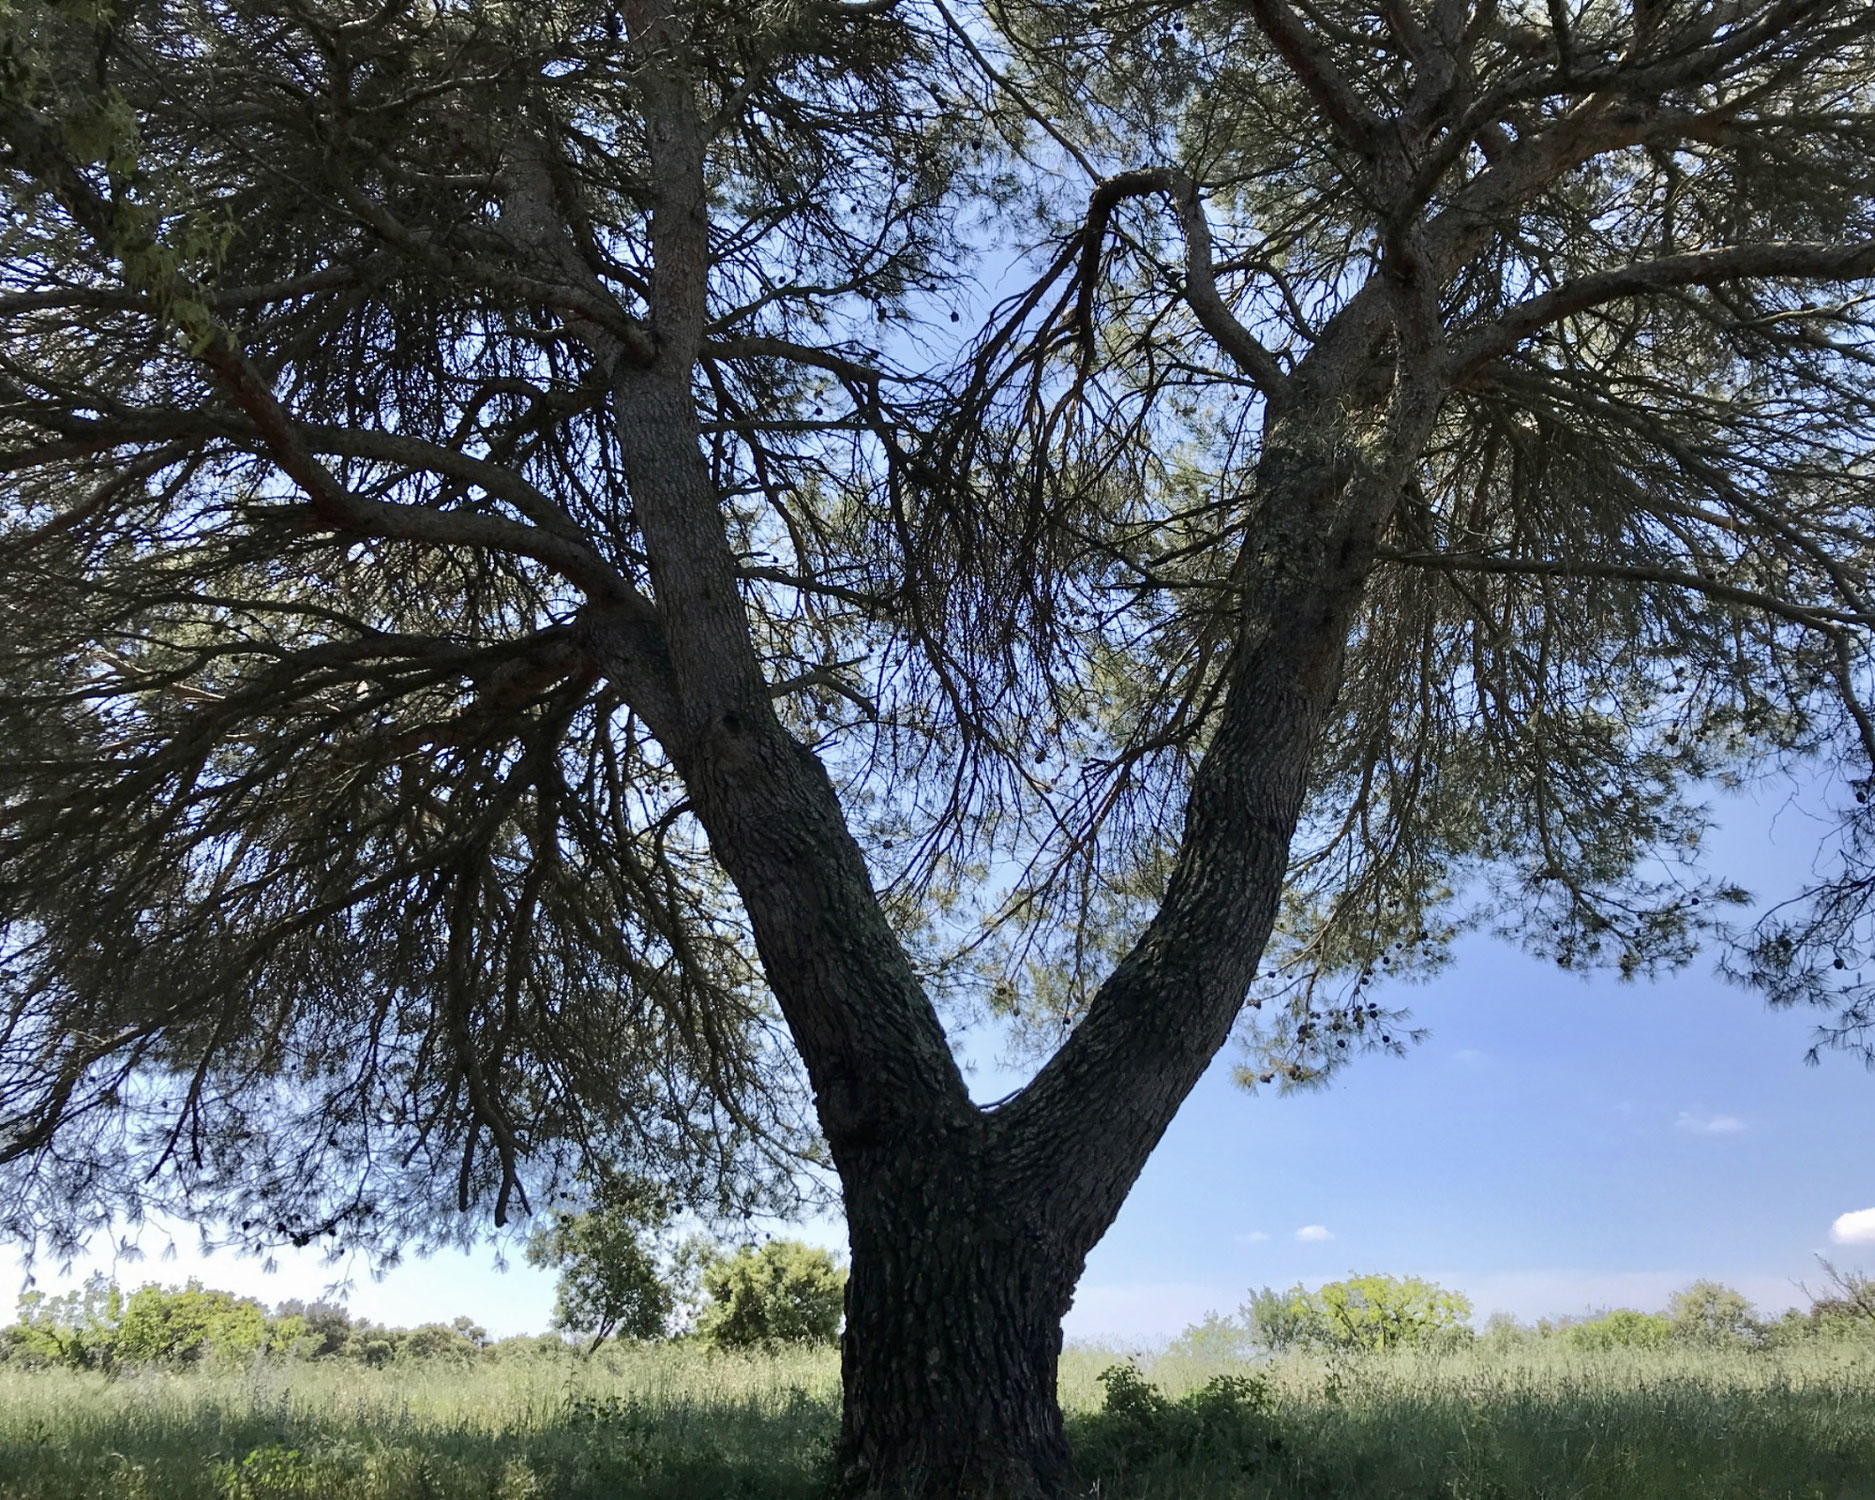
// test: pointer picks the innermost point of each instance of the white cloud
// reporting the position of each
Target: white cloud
(1856, 1228)
(1254, 1237)
(1313, 1234)
(1696, 1124)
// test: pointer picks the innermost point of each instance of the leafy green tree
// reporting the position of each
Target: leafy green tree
(1709, 1312)
(504, 667)
(1389, 1312)
(1364, 1313)
(322, 1329)
(1215, 1338)
(78, 1329)
(610, 1278)
(189, 1324)
(438, 1341)
(1503, 1331)
(779, 1293)
(1846, 1306)
(1280, 1321)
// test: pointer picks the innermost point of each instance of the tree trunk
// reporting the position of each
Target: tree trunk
(969, 1228)
(953, 1330)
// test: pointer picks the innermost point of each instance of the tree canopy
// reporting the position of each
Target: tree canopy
(610, 1277)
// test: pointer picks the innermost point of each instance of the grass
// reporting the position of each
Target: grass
(1529, 1423)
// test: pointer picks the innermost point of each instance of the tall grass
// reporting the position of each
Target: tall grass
(1536, 1421)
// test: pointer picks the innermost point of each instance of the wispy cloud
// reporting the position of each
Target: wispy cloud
(1698, 1124)
(1254, 1237)
(1313, 1234)
(1856, 1228)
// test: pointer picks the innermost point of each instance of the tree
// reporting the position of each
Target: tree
(320, 1330)
(78, 1329)
(1377, 1313)
(501, 669)
(1368, 1314)
(1709, 1312)
(1849, 1299)
(1279, 1321)
(189, 1324)
(610, 1282)
(764, 1297)
(1217, 1338)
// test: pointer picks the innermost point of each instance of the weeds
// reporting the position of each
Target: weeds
(1537, 1423)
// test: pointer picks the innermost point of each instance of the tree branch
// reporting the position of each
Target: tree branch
(1816, 616)
(1780, 260)
(1317, 73)
(1201, 293)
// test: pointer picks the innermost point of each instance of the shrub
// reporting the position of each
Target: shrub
(1621, 1329)
(782, 1293)
(1226, 1421)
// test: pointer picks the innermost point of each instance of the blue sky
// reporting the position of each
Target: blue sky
(1558, 1144)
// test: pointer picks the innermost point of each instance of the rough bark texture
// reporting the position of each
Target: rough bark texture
(953, 1329)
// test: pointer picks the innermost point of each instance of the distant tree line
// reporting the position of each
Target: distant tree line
(98, 1326)
(781, 1293)
(1374, 1313)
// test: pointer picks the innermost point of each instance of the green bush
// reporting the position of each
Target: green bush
(1228, 1421)
(783, 1292)
(1621, 1329)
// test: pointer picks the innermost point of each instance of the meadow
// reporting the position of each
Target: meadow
(1534, 1421)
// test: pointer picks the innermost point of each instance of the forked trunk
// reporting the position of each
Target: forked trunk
(953, 1330)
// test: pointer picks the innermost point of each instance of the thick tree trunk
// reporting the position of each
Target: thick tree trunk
(953, 1329)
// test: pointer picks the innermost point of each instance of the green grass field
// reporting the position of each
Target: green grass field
(1529, 1423)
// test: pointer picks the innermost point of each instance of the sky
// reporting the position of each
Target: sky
(1559, 1144)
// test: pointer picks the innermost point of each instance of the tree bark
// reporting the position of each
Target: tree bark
(953, 1330)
